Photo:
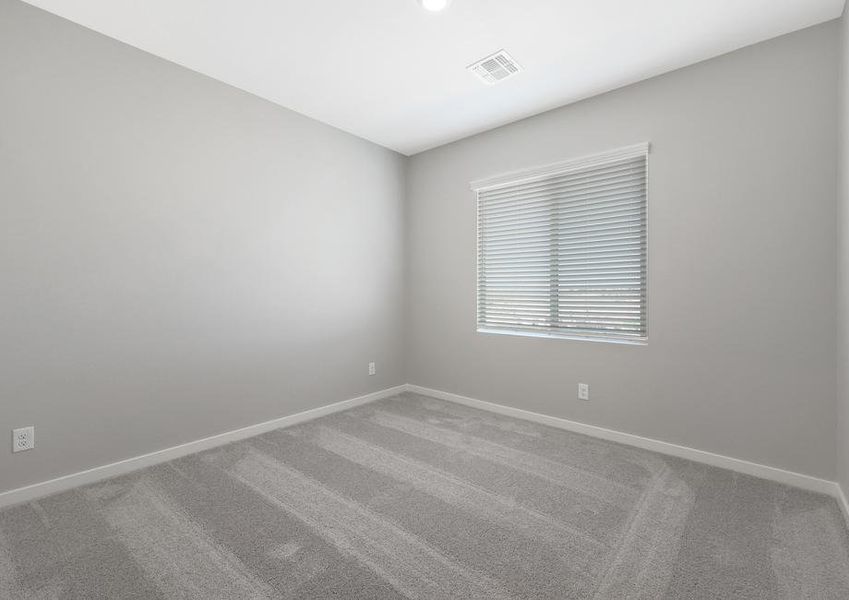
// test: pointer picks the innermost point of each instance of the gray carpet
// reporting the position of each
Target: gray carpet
(417, 498)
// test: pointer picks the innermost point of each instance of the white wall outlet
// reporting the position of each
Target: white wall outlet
(23, 439)
(371, 369)
(583, 391)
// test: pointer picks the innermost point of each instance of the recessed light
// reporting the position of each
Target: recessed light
(434, 5)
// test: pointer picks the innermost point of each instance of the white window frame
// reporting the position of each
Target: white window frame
(542, 172)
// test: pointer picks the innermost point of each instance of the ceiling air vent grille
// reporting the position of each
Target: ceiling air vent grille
(495, 68)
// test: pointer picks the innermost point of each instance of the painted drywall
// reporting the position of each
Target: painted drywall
(741, 352)
(843, 264)
(178, 258)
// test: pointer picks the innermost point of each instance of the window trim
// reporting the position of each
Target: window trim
(532, 174)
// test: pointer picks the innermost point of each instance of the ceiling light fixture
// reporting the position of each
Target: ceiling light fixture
(434, 5)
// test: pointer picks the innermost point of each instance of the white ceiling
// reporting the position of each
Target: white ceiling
(390, 72)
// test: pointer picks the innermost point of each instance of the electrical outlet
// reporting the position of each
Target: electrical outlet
(371, 369)
(583, 391)
(23, 439)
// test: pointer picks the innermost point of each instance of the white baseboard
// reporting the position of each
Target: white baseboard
(840, 495)
(66, 482)
(798, 480)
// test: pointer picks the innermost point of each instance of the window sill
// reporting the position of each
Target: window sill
(565, 336)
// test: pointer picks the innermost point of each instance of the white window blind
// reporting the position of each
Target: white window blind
(562, 249)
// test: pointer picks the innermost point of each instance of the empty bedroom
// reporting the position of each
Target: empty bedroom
(424, 300)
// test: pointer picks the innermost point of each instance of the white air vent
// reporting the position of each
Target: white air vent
(496, 67)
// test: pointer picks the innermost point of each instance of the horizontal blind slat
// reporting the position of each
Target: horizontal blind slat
(625, 211)
(595, 176)
(565, 200)
(543, 212)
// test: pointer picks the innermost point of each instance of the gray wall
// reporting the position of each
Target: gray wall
(843, 266)
(178, 258)
(741, 353)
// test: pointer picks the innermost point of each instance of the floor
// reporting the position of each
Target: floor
(412, 497)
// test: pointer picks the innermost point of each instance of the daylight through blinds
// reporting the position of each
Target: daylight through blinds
(564, 253)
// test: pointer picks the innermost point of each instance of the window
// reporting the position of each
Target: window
(562, 249)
